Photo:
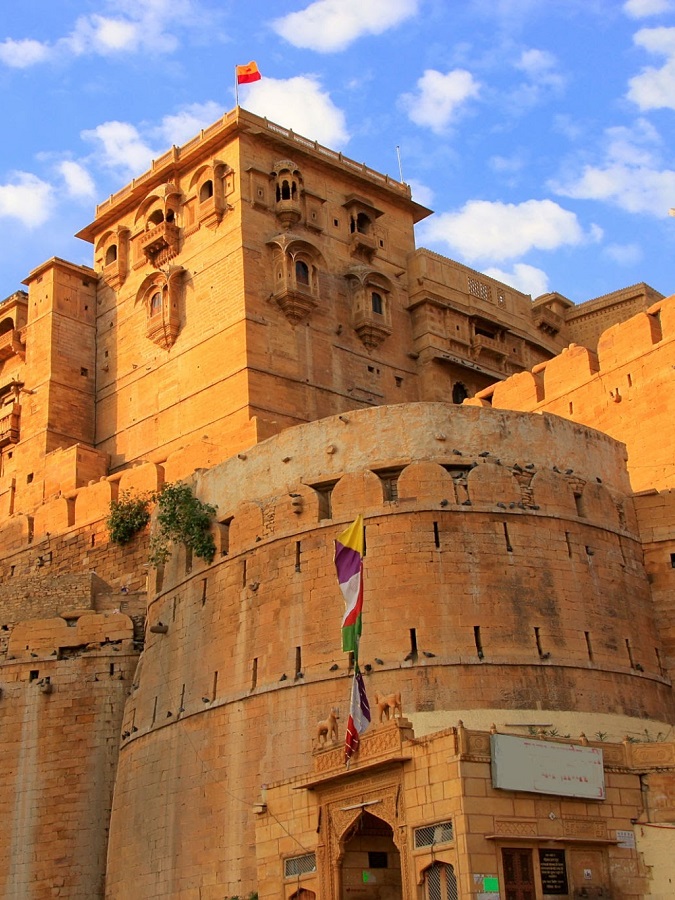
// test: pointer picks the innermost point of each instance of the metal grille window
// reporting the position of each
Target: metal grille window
(433, 834)
(299, 865)
(440, 882)
(480, 289)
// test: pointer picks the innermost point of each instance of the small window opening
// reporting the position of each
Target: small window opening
(630, 380)
(244, 566)
(376, 300)
(459, 392)
(656, 328)
(324, 494)
(111, 254)
(29, 478)
(658, 660)
(413, 644)
(170, 216)
(437, 538)
(254, 673)
(84, 372)
(672, 560)
(204, 584)
(509, 548)
(285, 190)
(629, 651)
(155, 303)
(214, 688)
(154, 712)
(173, 609)
(579, 503)
(298, 662)
(206, 191)
(478, 642)
(111, 669)
(537, 638)
(398, 381)
(298, 550)
(33, 675)
(156, 218)
(571, 407)
(589, 646)
(363, 223)
(569, 545)
(336, 223)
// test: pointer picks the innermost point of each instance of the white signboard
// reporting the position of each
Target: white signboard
(545, 767)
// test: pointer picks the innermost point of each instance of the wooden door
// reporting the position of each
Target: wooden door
(518, 874)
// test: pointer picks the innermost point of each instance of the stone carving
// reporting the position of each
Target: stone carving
(388, 705)
(327, 729)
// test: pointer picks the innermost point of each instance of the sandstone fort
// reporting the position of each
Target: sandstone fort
(258, 325)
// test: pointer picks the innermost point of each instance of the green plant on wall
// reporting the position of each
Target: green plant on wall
(128, 515)
(182, 518)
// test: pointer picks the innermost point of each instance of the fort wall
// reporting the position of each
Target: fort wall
(490, 582)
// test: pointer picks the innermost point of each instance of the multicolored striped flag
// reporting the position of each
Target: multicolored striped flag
(349, 566)
(359, 715)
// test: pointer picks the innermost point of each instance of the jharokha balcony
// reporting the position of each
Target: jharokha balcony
(10, 417)
(10, 344)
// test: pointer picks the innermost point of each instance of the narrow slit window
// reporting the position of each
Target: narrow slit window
(579, 503)
(537, 639)
(298, 550)
(629, 651)
(509, 548)
(589, 645)
(478, 642)
(569, 545)
(298, 662)
(214, 689)
(204, 583)
(244, 567)
(254, 673)
(154, 712)
(437, 538)
(413, 644)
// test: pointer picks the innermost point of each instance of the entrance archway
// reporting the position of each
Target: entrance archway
(371, 864)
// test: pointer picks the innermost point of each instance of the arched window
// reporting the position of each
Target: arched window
(156, 218)
(459, 392)
(303, 894)
(363, 223)
(285, 190)
(111, 254)
(440, 882)
(376, 301)
(301, 272)
(206, 191)
(155, 303)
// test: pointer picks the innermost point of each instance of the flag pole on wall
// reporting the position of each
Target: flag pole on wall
(349, 552)
(245, 75)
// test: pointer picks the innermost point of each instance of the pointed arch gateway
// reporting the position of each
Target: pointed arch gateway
(363, 843)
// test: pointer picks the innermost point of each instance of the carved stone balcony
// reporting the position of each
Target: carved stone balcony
(10, 418)
(163, 329)
(10, 345)
(480, 343)
(547, 321)
(371, 328)
(296, 305)
(361, 244)
(288, 212)
(161, 243)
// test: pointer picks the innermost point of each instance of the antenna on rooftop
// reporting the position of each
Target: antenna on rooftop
(400, 168)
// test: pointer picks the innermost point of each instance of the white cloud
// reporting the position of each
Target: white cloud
(484, 230)
(121, 147)
(655, 88)
(134, 27)
(186, 124)
(79, 182)
(439, 97)
(638, 9)
(631, 175)
(524, 278)
(536, 63)
(330, 25)
(623, 254)
(300, 104)
(27, 198)
(23, 54)
(421, 193)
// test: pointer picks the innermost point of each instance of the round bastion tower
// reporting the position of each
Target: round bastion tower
(503, 572)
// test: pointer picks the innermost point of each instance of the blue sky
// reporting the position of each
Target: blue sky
(542, 132)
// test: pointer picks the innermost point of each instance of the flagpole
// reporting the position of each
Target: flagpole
(236, 88)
